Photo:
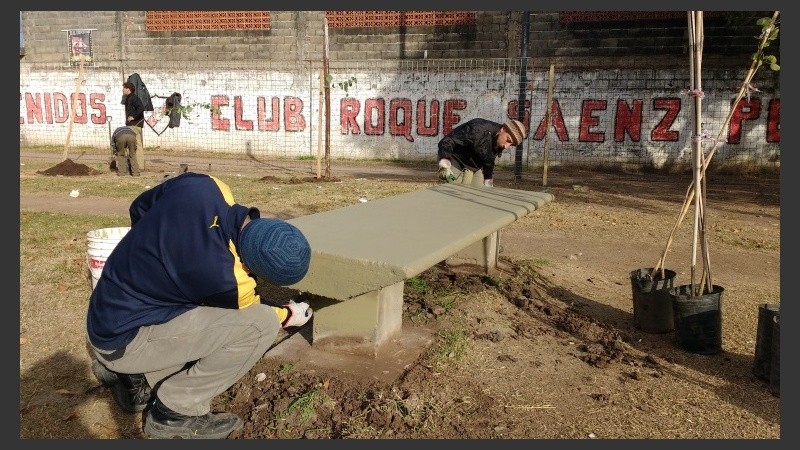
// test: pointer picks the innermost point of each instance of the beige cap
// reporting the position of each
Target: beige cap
(517, 130)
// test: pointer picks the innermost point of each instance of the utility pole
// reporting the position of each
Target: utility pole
(523, 83)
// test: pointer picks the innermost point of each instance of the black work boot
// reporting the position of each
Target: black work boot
(164, 423)
(131, 392)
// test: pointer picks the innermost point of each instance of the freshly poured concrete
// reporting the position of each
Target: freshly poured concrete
(362, 252)
(368, 246)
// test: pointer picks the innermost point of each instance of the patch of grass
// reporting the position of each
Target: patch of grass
(306, 405)
(540, 262)
(53, 248)
(93, 186)
(448, 303)
(418, 284)
(451, 346)
(417, 316)
(285, 369)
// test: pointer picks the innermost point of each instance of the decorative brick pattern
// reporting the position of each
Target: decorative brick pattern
(602, 16)
(206, 20)
(347, 19)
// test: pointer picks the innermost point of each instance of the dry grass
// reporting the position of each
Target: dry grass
(585, 243)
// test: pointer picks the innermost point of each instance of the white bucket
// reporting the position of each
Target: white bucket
(100, 244)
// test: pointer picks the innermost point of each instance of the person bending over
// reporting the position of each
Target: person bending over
(174, 319)
(472, 148)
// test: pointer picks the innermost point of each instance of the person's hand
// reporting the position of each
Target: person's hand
(299, 314)
(488, 183)
(445, 171)
(445, 174)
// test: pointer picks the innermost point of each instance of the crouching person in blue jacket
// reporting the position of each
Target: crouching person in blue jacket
(174, 319)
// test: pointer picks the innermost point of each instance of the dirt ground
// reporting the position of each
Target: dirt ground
(546, 348)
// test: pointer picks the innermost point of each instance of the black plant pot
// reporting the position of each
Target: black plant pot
(652, 306)
(762, 358)
(698, 319)
(775, 365)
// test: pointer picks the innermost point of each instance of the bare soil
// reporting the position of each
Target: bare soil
(544, 348)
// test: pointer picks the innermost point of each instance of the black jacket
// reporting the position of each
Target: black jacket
(471, 145)
(173, 103)
(140, 90)
(135, 109)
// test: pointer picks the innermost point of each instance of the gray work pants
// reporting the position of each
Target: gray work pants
(466, 175)
(139, 147)
(470, 178)
(127, 162)
(222, 345)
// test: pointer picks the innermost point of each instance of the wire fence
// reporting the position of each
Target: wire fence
(262, 111)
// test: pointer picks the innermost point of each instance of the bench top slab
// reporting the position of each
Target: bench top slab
(368, 246)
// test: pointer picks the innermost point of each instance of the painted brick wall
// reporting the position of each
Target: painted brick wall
(297, 36)
(266, 83)
(730, 38)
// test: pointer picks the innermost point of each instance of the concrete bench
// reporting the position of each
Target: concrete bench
(362, 254)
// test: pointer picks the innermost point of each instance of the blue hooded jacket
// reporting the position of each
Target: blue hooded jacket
(180, 253)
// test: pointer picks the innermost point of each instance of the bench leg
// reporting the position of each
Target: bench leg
(370, 318)
(483, 253)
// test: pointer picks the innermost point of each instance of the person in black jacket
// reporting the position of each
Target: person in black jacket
(134, 109)
(174, 318)
(134, 115)
(473, 146)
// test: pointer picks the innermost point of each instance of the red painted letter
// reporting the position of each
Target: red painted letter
(450, 118)
(628, 120)
(293, 120)
(774, 121)
(379, 106)
(588, 120)
(400, 128)
(348, 111)
(425, 130)
(557, 121)
(662, 132)
(746, 110)
(217, 122)
(238, 113)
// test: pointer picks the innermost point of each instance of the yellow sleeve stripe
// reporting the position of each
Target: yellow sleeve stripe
(224, 189)
(246, 284)
(282, 313)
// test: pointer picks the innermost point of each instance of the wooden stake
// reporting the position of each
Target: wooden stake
(546, 152)
(74, 107)
(319, 122)
(327, 92)
(690, 194)
(696, 41)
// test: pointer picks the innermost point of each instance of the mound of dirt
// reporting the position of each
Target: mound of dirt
(287, 401)
(69, 168)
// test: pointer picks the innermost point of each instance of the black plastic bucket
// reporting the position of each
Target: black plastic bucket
(652, 306)
(775, 366)
(762, 358)
(698, 319)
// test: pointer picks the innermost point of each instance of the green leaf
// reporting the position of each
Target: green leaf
(775, 67)
(328, 78)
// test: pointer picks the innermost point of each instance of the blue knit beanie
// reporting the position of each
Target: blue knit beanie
(275, 250)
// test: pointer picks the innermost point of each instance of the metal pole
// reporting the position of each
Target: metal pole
(523, 83)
